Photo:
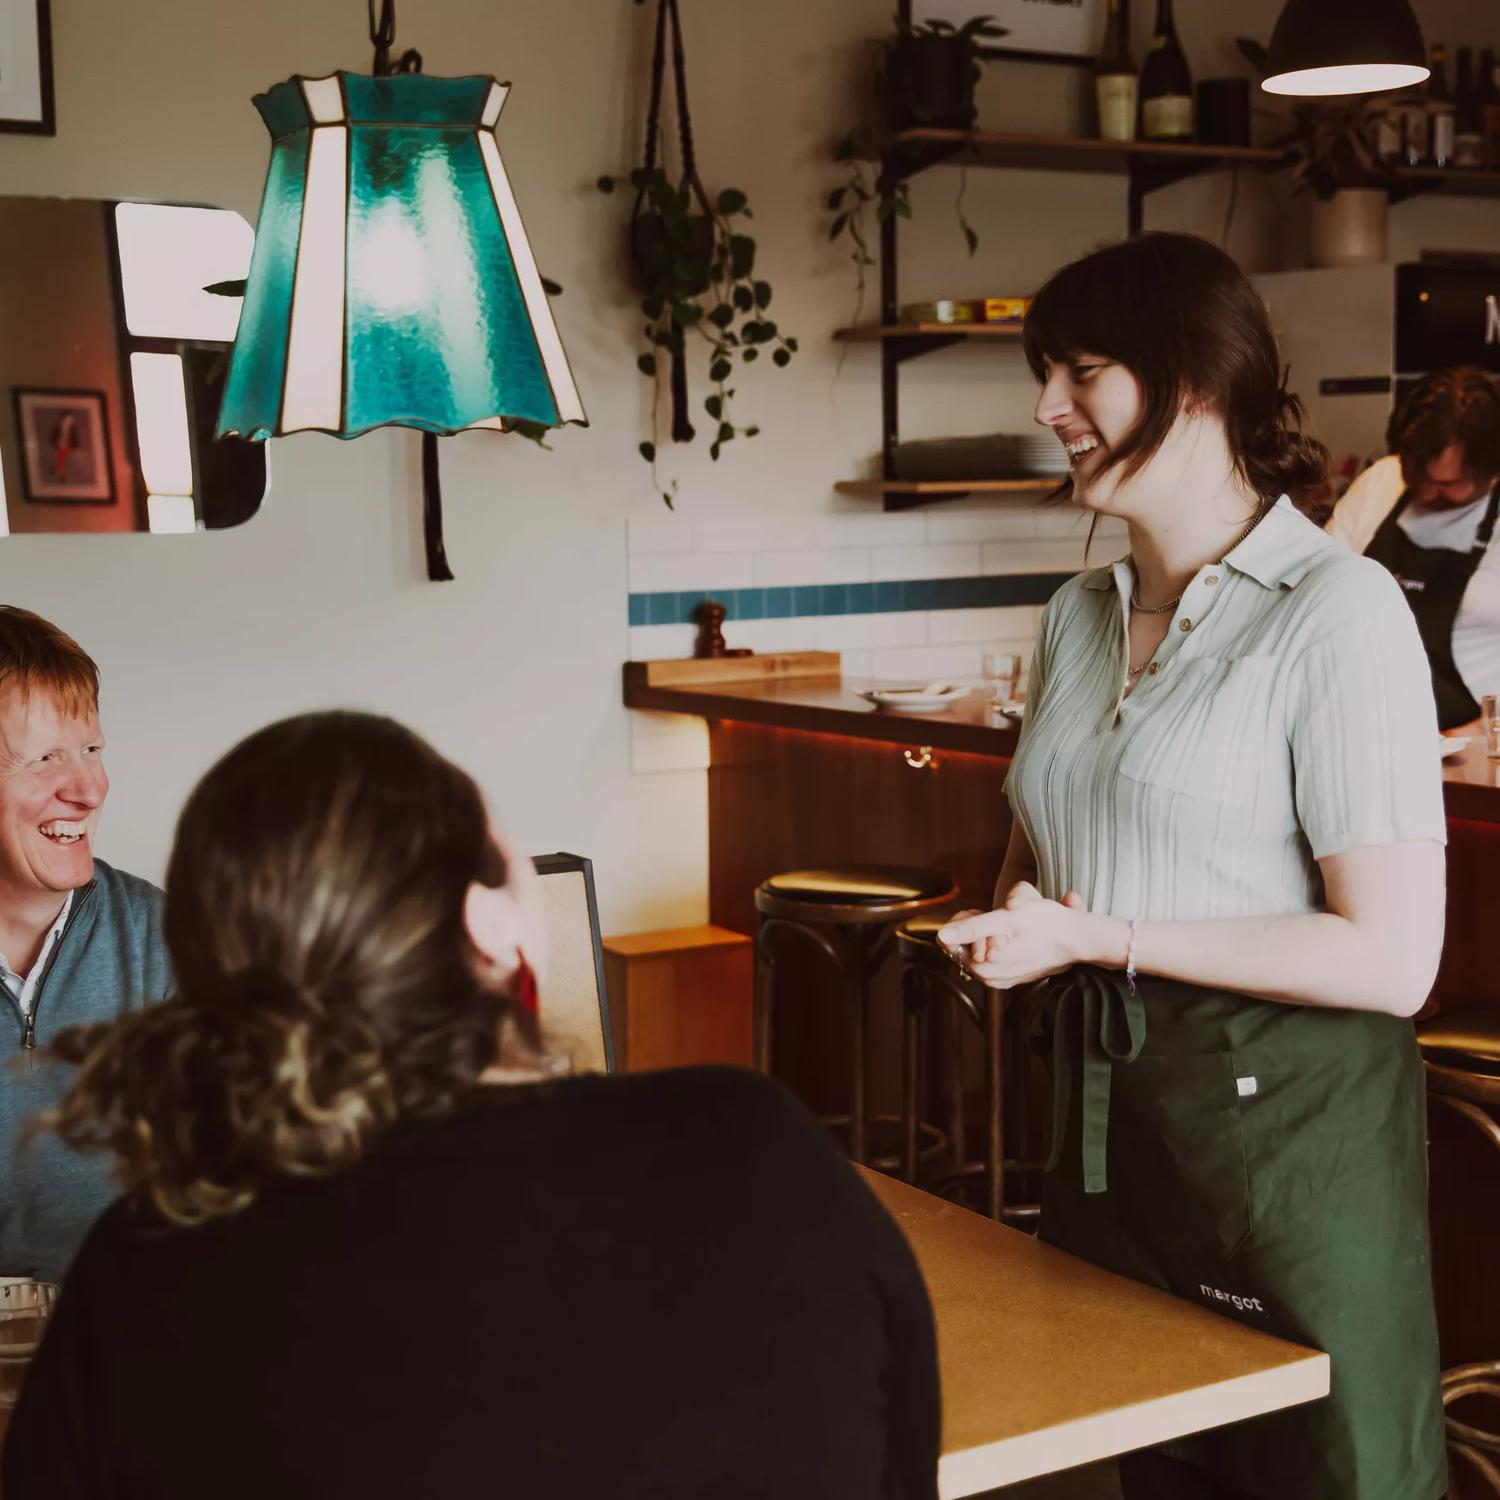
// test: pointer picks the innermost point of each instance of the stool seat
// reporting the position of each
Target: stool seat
(867, 885)
(1465, 1039)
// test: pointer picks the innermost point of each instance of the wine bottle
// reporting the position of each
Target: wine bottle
(1468, 128)
(1489, 107)
(1166, 84)
(1115, 77)
(1439, 109)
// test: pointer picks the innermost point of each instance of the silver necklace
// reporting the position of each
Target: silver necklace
(1161, 609)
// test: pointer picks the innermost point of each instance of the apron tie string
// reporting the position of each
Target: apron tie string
(1114, 1030)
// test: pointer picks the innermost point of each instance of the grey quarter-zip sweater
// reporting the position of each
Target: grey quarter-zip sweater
(109, 959)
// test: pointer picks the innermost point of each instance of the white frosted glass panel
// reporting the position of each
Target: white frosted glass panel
(165, 513)
(161, 423)
(325, 102)
(313, 394)
(167, 256)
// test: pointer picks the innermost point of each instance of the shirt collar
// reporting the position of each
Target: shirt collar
(53, 933)
(1278, 553)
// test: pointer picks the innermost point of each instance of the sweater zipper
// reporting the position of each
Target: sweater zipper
(28, 1034)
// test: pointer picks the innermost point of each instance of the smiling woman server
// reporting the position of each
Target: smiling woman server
(1227, 858)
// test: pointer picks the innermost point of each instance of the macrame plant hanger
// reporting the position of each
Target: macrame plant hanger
(644, 224)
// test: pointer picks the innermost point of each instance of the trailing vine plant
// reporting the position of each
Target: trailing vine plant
(695, 264)
(871, 186)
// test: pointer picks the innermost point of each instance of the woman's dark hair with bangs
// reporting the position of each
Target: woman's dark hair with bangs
(1182, 317)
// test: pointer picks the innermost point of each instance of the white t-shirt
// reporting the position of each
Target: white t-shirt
(1476, 631)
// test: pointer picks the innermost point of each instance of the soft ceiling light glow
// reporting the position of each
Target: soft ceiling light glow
(161, 423)
(167, 256)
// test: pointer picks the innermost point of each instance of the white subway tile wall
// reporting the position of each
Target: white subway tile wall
(792, 550)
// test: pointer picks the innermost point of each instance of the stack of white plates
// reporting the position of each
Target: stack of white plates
(1041, 454)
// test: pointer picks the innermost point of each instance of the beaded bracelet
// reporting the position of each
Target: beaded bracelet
(1130, 956)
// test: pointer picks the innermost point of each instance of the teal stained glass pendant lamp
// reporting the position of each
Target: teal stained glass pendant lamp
(392, 283)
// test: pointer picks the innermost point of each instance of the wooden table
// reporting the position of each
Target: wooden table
(1048, 1362)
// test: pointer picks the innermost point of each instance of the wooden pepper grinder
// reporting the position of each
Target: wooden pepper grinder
(710, 643)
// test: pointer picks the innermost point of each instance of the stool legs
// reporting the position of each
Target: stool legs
(913, 999)
(765, 989)
(994, 1100)
(1480, 1448)
(859, 975)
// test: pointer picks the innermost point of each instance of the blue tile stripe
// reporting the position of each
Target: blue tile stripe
(676, 606)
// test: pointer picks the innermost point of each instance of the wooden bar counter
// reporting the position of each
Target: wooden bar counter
(803, 771)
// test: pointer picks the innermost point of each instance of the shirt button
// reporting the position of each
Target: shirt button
(1212, 579)
(1185, 625)
(1155, 668)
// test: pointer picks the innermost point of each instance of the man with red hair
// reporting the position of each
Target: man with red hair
(79, 940)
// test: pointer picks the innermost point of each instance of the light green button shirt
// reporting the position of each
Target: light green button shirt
(1287, 716)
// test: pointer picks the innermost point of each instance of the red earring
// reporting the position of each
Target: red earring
(523, 989)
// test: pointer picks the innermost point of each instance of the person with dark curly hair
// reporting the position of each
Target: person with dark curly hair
(376, 1242)
(1226, 863)
(1427, 512)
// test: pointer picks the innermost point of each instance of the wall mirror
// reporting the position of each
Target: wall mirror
(112, 361)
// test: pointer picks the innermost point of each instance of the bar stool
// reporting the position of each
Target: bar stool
(849, 913)
(1461, 1053)
(929, 979)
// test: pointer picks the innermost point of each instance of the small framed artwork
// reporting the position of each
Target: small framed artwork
(64, 446)
(1062, 31)
(26, 67)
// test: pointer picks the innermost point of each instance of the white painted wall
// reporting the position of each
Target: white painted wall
(514, 669)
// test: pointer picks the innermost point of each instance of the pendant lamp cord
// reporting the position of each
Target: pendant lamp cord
(383, 38)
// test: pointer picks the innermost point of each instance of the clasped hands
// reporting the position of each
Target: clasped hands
(1031, 937)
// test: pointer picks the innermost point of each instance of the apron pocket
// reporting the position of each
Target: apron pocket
(1176, 1155)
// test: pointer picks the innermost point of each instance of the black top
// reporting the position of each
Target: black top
(652, 1286)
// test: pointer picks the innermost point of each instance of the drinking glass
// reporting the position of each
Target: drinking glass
(1002, 674)
(25, 1306)
(1490, 720)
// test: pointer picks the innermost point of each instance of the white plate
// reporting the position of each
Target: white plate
(917, 700)
(1450, 745)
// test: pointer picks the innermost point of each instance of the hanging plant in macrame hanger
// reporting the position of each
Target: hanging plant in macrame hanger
(694, 262)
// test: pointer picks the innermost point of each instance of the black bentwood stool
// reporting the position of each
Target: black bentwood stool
(849, 913)
(1461, 1052)
(933, 987)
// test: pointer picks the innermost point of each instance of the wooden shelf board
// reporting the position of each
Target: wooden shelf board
(1000, 148)
(1467, 182)
(871, 332)
(948, 486)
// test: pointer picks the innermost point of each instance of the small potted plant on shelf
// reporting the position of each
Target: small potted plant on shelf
(926, 78)
(931, 70)
(1329, 144)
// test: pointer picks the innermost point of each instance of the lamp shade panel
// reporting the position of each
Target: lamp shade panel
(392, 281)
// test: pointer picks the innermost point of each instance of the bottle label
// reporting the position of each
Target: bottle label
(1117, 95)
(1442, 138)
(1167, 117)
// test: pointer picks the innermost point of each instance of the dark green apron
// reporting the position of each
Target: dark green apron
(1268, 1162)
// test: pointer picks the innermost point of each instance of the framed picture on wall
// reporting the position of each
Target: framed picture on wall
(1066, 31)
(26, 67)
(64, 446)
